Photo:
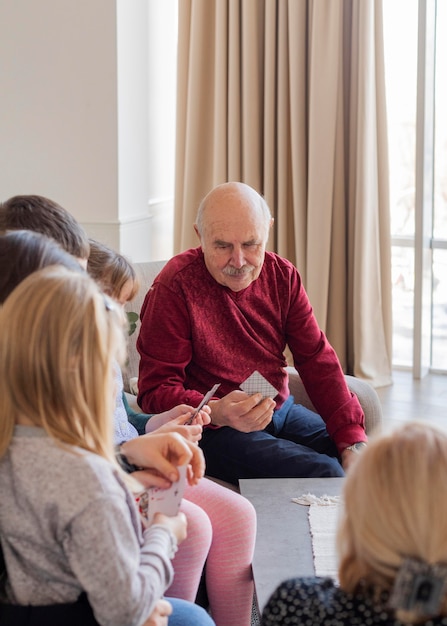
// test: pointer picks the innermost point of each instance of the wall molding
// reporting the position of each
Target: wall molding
(143, 237)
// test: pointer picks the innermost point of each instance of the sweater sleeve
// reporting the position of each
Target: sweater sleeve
(138, 420)
(321, 372)
(123, 580)
(165, 349)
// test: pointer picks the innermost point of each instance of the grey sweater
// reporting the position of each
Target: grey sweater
(68, 524)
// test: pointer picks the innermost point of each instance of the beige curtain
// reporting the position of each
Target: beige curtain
(288, 96)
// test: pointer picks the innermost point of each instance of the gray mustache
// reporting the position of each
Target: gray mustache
(238, 271)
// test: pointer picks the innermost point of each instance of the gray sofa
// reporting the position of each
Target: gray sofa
(365, 392)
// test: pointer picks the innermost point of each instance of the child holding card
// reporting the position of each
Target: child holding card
(70, 530)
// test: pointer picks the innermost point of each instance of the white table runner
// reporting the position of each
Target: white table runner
(323, 519)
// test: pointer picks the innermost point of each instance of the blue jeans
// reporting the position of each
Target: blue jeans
(294, 445)
(188, 614)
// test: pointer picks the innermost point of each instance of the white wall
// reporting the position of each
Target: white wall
(162, 38)
(77, 110)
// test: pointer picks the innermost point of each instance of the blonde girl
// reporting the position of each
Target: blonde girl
(69, 525)
(392, 541)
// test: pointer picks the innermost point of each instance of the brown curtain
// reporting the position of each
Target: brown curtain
(288, 96)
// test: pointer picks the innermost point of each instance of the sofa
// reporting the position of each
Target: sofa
(146, 273)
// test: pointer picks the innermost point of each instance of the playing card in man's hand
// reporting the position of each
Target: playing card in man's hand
(256, 383)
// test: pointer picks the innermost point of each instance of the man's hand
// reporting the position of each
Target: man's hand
(348, 458)
(242, 412)
(159, 455)
(160, 614)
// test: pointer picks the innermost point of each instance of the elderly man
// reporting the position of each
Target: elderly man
(216, 314)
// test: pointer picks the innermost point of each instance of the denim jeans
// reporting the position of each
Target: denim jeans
(294, 445)
(188, 614)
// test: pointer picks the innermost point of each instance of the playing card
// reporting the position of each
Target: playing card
(167, 501)
(204, 401)
(256, 383)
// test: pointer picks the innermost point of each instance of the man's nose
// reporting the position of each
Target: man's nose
(237, 258)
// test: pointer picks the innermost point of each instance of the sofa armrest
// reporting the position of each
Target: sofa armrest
(366, 394)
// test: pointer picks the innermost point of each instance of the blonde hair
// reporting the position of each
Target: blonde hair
(395, 506)
(111, 270)
(59, 338)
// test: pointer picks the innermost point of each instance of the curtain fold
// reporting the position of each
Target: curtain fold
(288, 97)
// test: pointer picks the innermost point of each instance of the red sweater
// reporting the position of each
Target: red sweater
(196, 332)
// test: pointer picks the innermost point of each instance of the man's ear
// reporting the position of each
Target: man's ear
(271, 223)
(197, 232)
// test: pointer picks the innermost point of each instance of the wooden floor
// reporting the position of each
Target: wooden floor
(408, 399)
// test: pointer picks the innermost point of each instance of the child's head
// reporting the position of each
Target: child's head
(23, 252)
(59, 338)
(113, 272)
(395, 507)
(45, 216)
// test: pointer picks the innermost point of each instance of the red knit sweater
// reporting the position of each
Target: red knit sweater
(196, 332)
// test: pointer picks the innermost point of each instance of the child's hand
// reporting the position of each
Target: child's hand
(159, 615)
(203, 416)
(163, 453)
(180, 414)
(192, 433)
(152, 478)
(176, 524)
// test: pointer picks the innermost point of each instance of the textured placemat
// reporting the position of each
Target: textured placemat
(323, 527)
(323, 519)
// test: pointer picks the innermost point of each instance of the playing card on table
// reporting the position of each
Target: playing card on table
(157, 500)
(256, 383)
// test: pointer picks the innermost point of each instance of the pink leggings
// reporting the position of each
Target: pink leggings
(222, 531)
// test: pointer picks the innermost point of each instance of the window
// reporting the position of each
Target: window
(439, 338)
(418, 179)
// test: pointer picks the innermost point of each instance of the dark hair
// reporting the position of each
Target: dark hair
(22, 252)
(45, 216)
(111, 270)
